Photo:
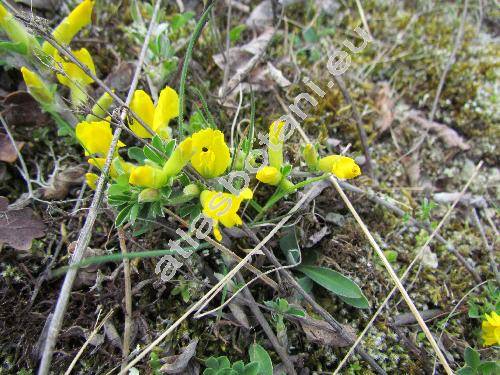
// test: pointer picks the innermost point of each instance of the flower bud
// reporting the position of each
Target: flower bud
(149, 195)
(37, 87)
(100, 108)
(311, 157)
(191, 189)
(269, 175)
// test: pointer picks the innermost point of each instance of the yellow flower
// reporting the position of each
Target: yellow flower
(36, 87)
(148, 176)
(491, 329)
(95, 137)
(223, 208)
(71, 25)
(275, 149)
(74, 77)
(269, 175)
(211, 154)
(311, 156)
(157, 118)
(179, 158)
(91, 179)
(341, 166)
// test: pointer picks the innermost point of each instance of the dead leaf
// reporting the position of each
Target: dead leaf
(412, 167)
(7, 151)
(447, 134)
(112, 335)
(177, 364)
(62, 181)
(262, 15)
(22, 110)
(18, 228)
(385, 107)
(320, 332)
(86, 276)
(277, 76)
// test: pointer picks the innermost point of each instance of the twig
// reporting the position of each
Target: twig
(266, 327)
(407, 271)
(489, 248)
(87, 342)
(359, 124)
(127, 332)
(86, 232)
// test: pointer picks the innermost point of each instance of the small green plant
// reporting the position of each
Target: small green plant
(425, 209)
(281, 307)
(475, 366)
(260, 364)
(484, 303)
(183, 289)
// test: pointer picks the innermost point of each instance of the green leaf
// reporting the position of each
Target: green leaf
(290, 246)
(466, 371)
(122, 216)
(306, 283)
(360, 303)
(332, 280)
(235, 33)
(471, 357)
(310, 35)
(258, 354)
(157, 142)
(296, 312)
(153, 155)
(391, 255)
(489, 368)
(253, 368)
(134, 211)
(286, 169)
(196, 122)
(136, 153)
(180, 19)
(169, 147)
(18, 47)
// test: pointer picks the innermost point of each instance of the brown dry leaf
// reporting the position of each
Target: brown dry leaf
(120, 77)
(18, 228)
(447, 134)
(22, 110)
(62, 181)
(412, 166)
(7, 151)
(385, 107)
(322, 333)
(177, 364)
(86, 276)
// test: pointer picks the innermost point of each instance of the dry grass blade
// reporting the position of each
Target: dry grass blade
(127, 332)
(86, 232)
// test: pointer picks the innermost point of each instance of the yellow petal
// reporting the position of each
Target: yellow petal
(74, 75)
(211, 155)
(341, 166)
(91, 180)
(269, 175)
(36, 87)
(179, 158)
(71, 25)
(147, 176)
(95, 137)
(166, 109)
(142, 106)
